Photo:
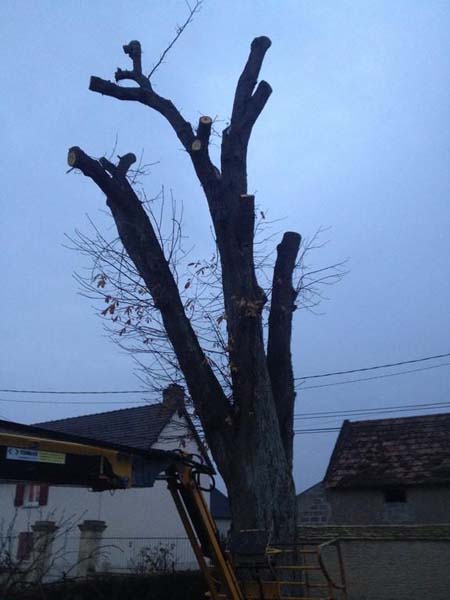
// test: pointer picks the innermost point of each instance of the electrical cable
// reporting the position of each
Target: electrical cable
(385, 427)
(387, 365)
(347, 381)
(370, 411)
(136, 402)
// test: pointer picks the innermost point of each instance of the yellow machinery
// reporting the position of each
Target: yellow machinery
(30, 453)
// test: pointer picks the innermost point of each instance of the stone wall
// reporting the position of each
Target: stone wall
(395, 562)
(313, 506)
(424, 505)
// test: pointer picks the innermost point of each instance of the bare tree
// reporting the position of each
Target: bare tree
(246, 408)
(39, 559)
(131, 318)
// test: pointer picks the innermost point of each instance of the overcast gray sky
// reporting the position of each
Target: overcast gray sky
(355, 137)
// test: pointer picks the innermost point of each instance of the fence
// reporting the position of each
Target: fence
(146, 554)
(114, 554)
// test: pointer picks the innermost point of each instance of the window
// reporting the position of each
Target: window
(395, 495)
(30, 495)
(25, 545)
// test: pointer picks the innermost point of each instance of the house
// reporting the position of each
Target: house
(387, 471)
(383, 509)
(134, 528)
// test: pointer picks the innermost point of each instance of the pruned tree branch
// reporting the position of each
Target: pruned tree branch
(279, 359)
(247, 82)
(146, 95)
(133, 49)
(77, 159)
(256, 103)
(196, 146)
(201, 142)
(125, 163)
(141, 243)
(246, 110)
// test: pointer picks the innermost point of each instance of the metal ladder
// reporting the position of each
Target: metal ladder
(313, 580)
(258, 569)
(303, 577)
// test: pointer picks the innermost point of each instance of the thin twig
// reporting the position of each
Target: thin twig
(192, 11)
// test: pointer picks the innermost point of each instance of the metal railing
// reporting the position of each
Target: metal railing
(145, 554)
(139, 555)
(342, 585)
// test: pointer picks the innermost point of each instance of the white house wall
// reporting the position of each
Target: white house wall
(132, 513)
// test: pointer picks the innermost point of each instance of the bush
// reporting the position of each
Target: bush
(155, 559)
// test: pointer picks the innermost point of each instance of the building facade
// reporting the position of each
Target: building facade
(385, 502)
(381, 472)
(136, 529)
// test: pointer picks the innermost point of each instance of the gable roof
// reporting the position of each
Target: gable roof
(137, 427)
(404, 451)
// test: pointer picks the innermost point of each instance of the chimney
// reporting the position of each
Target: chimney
(173, 396)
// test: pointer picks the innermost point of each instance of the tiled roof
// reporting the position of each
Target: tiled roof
(405, 451)
(137, 427)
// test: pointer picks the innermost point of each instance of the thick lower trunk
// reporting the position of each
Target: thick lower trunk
(263, 510)
(262, 493)
(268, 505)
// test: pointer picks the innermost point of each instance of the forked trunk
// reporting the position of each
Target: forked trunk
(249, 432)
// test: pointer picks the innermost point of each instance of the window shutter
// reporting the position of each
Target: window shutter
(20, 489)
(43, 494)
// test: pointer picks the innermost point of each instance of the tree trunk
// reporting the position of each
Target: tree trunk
(262, 494)
(251, 434)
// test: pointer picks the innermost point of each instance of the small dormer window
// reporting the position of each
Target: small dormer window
(396, 495)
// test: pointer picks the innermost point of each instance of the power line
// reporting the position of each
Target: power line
(65, 392)
(304, 416)
(385, 428)
(370, 411)
(385, 366)
(323, 385)
(85, 392)
(75, 402)
(318, 430)
(334, 429)
(306, 377)
(107, 392)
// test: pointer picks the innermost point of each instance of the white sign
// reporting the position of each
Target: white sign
(35, 455)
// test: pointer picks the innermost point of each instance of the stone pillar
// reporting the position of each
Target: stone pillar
(43, 537)
(90, 542)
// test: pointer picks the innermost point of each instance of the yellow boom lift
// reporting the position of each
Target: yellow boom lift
(33, 454)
